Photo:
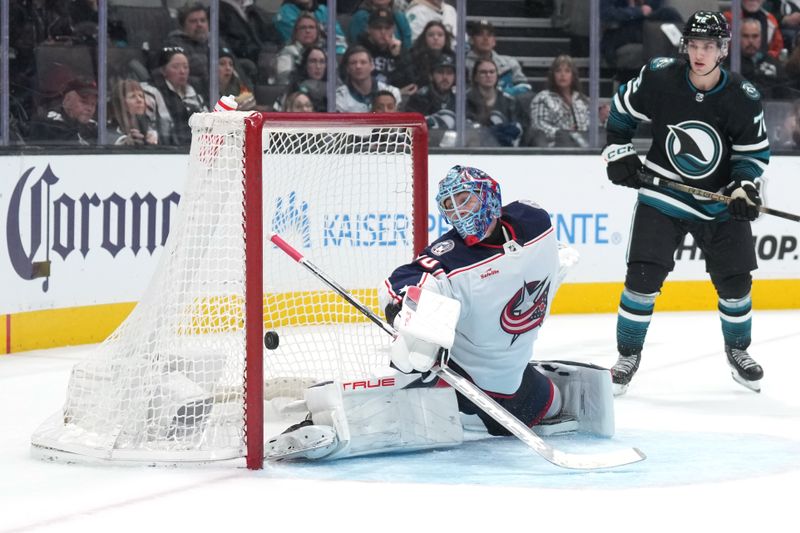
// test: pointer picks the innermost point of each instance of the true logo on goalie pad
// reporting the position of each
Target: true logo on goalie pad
(369, 384)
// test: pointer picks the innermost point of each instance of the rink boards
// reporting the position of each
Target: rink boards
(89, 217)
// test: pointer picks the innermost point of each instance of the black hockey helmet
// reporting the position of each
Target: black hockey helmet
(709, 25)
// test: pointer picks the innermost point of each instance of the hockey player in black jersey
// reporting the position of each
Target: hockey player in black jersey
(708, 131)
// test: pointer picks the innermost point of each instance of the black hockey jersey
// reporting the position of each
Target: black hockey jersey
(703, 138)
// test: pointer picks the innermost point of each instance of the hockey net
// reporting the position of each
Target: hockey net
(184, 378)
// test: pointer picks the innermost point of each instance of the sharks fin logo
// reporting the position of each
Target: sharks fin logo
(694, 148)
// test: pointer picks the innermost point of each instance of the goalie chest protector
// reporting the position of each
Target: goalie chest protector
(505, 293)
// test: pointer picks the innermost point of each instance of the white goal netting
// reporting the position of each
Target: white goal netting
(169, 384)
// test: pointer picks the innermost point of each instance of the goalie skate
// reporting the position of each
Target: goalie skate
(744, 370)
(302, 441)
(558, 425)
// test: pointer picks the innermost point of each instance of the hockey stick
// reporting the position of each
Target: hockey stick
(652, 179)
(476, 395)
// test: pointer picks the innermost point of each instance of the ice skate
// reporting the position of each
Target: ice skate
(622, 372)
(302, 441)
(744, 370)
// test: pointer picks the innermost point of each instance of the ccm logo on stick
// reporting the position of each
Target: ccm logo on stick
(369, 384)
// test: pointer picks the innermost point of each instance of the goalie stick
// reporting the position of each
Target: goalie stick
(476, 395)
(652, 179)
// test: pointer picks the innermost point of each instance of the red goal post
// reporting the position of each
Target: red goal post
(186, 377)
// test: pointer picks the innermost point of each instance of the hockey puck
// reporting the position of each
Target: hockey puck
(271, 340)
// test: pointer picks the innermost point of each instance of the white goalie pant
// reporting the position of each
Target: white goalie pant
(378, 420)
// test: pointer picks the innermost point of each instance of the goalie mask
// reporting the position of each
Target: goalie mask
(707, 26)
(470, 214)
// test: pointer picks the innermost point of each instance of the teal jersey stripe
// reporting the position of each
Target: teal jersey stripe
(741, 168)
(619, 121)
(761, 155)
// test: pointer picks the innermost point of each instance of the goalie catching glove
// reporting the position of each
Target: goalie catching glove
(426, 322)
(622, 164)
(745, 200)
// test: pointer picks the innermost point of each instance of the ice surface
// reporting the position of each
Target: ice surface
(720, 457)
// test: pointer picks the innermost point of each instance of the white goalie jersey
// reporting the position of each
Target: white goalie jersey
(505, 291)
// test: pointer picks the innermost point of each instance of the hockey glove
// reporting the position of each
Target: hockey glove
(622, 165)
(745, 200)
(426, 322)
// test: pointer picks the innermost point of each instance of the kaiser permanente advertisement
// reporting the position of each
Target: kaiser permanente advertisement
(83, 234)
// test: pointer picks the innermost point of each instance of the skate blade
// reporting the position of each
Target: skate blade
(618, 389)
(306, 443)
(752, 385)
(558, 426)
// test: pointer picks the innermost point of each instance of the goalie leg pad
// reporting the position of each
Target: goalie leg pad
(378, 421)
(586, 394)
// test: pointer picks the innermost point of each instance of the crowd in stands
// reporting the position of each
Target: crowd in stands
(392, 55)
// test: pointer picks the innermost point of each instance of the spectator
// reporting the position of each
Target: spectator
(560, 114)
(73, 122)
(180, 97)
(623, 22)
(193, 38)
(787, 12)
(290, 10)
(33, 22)
(245, 28)
(437, 100)
(511, 79)
(428, 48)
(392, 63)
(420, 12)
(384, 102)
(359, 89)
(84, 17)
(298, 102)
(306, 34)
(311, 77)
(230, 83)
(129, 124)
(771, 38)
(358, 22)
(763, 70)
(490, 108)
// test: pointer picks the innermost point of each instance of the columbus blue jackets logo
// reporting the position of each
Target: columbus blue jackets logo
(526, 309)
(694, 148)
(442, 247)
